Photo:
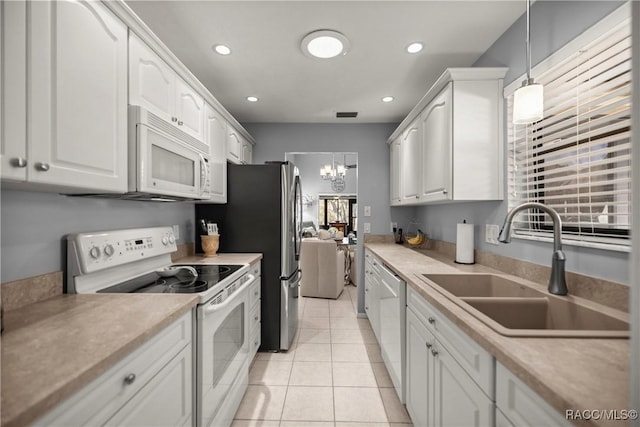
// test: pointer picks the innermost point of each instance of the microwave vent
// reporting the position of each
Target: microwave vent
(346, 114)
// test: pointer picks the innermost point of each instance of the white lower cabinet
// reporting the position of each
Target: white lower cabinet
(518, 405)
(371, 292)
(441, 391)
(255, 317)
(152, 386)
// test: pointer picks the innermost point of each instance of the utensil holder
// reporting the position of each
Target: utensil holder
(210, 244)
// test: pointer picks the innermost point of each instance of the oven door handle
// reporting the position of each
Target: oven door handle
(211, 307)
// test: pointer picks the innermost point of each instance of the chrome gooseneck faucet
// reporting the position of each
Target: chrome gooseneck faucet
(557, 282)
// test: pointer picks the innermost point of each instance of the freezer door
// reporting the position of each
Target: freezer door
(290, 294)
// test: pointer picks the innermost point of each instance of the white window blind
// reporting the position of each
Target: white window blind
(577, 159)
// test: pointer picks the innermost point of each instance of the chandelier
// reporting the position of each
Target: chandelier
(333, 171)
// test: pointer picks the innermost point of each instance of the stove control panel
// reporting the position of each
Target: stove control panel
(90, 252)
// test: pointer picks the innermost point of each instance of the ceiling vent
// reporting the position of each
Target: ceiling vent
(346, 114)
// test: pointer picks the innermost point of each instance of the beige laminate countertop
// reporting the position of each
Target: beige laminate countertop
(51, 349)
(568, 373)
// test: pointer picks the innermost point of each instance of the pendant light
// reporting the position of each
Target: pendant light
(528, 100)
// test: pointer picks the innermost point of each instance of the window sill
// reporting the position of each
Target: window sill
(574, 242)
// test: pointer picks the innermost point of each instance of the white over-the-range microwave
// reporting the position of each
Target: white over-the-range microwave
(164, 162)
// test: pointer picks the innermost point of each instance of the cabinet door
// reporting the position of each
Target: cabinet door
(77, 93)
(216, 138)
(165, 401)
(419, 381)
(247, 153)
(436, 121)
(411, 163)
(189, 110)
(458, 401)
(234, 145)
(151, 81)
(13, 90)
(395, 157)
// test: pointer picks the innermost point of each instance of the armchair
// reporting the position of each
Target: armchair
(323, 268)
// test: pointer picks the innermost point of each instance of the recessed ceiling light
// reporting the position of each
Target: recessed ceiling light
(222, 49)
(252, 99)
(388, 99)
(325, 44)
(415, 47)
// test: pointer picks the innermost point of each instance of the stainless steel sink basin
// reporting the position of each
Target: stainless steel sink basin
(481, 285)
(511, 307)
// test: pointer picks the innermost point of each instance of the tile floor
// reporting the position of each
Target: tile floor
(332, 376)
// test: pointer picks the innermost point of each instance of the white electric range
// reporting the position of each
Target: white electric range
(139, 261)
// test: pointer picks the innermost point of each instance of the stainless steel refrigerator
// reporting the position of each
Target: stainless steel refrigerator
(264, 214)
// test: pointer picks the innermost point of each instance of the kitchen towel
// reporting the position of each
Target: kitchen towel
(464, 244)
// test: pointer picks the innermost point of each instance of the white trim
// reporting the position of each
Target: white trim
(567, 241)
(620, 16)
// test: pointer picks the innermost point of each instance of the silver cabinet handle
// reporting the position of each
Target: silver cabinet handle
(18, 162)
(255, 318)
(42, 167)
(129, 379)
(417, 197)
(434, 352)
(429, 345)
(174, 119)
(431, 320)
(444, 191)
(180, 123)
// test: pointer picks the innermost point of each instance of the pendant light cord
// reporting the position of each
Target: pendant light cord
(528, 43)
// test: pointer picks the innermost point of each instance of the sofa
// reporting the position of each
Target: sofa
(323, 268)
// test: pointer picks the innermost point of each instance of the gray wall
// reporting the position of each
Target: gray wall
(312, 184)
(553, 24)
(34, 225)
(367, 140)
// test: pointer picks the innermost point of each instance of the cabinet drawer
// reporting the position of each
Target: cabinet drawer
(475, 360)
(255, 269)
(98, 401)
(254, 294)
(254, 317)
(521, 405)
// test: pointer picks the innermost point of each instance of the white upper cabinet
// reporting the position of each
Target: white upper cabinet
(234, 145)
(189, 110)
(247, 152)
(411, 149)
(395, 158)
(152, 84)
(155, 86)
(452, 141)
(436, 148)
(215, 130)
(77, 97)
(13, 84)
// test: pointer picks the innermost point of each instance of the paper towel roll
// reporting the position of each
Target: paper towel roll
(464, 244)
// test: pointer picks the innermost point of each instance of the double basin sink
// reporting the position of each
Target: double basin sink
(514, 308)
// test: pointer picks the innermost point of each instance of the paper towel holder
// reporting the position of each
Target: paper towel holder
(465, 251)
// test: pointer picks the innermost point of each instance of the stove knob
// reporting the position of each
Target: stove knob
(172, 239)
(165, 240)
(108, 250)
(94, 252)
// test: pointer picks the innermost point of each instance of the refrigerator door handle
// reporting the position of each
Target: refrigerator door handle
(296, 283)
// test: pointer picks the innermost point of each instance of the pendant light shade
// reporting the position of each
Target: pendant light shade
(528, 103)
(528, 100)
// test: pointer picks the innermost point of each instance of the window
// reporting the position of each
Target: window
(341, 209)
(577, 159)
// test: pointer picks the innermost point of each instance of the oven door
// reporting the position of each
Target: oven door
(166, 166)
(223, 351)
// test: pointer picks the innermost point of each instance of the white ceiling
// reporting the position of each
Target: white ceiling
(267, 62)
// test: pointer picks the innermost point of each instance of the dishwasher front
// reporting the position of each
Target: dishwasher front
(393, 305)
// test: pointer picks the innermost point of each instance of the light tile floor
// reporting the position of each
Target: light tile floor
(333, 375)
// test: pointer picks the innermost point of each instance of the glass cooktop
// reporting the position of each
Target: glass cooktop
(182, 283)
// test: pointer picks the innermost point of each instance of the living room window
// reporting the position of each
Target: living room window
(577, 159)
(338, 209)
